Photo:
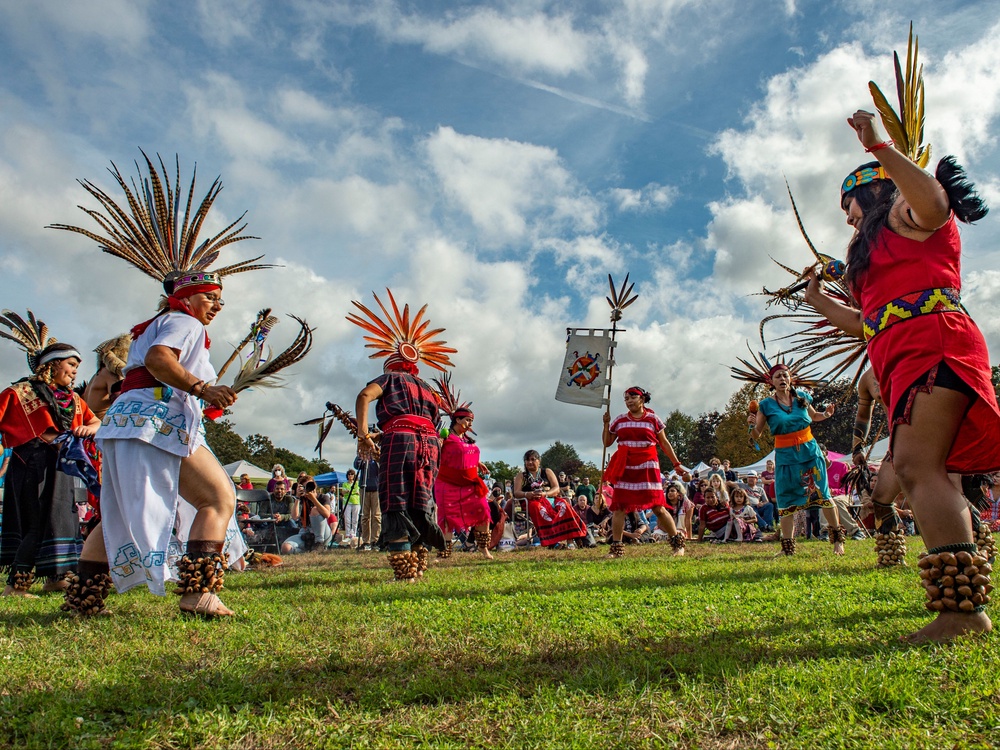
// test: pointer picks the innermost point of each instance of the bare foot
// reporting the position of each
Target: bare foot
(838, 548)
(205, 605)
(949, 625)
(679, 552)
(486, 554)
(55, 584)
(11, 591)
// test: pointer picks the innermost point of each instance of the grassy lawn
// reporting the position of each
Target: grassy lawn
(730, 647)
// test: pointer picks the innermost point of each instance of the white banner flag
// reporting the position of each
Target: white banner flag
(585, 369)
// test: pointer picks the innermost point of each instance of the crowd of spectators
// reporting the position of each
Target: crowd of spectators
(720, 507)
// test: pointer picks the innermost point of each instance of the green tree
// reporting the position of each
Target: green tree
(732, 431)
(562, 457)
(227, 446)
(262, 452)
(703, 447)
(501, 471)
(681, 430)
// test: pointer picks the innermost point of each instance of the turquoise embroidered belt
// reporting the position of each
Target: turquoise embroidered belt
(944, 299)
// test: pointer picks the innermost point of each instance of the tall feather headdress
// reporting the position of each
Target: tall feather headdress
(757, 370)
(815, 339)
(451, 398)
(151, 233)
(907, 127)
(398, 338)
(31, 335)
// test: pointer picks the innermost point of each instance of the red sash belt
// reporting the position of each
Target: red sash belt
(139, 377)
(409, 423)
(620, 459)
(463, 478)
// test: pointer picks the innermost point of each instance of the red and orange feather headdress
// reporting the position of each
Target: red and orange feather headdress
(397, 338)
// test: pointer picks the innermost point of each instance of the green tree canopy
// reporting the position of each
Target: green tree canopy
(703, 446)
(733, 431)
(227, 446)
(562, 457)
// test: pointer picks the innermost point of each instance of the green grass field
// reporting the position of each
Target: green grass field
(730, 647)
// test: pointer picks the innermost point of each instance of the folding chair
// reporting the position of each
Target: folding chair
(259, 502)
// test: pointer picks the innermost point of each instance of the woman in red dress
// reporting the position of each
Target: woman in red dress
(928, 355)
(634, 469)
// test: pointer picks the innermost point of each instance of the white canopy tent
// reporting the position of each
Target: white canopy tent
(236, 469)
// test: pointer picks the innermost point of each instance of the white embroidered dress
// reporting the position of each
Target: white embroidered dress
(143, 438)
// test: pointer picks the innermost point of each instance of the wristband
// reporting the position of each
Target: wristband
(878, 147)
(195, 385)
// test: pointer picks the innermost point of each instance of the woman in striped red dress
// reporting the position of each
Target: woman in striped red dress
(634, 469)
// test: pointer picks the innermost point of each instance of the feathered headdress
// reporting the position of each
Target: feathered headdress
(401, 341)
(152, 235)
(31, 335)
(906, 129)
(113, 353)
(816, 339)
(450, 397)
(759, 369)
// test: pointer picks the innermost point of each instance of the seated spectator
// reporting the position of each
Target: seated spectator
(729, 473)
(284, 510)
(757, 499)
(836, 473)
(717, 483)
(635, 528)
(715, 465)
(598, 519)
(742, 525)
(322, 522)
(586, 488)
(713, 517)
(278, 477)
(498, 519)
(677, 497)
(245, 483)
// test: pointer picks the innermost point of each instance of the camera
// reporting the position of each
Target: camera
(310, 486)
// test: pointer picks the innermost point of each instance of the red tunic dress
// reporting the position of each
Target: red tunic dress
(634, 469)
(905, 351)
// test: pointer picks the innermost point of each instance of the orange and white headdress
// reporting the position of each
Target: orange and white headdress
(404, 343)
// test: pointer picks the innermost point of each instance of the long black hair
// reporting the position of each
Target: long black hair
(876, 199)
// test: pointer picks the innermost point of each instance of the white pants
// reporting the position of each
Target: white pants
(140, 511)
(352, 512)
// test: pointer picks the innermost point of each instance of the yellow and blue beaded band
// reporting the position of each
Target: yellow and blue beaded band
(863, 176)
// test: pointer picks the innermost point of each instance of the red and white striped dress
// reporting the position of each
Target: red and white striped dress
(634, 470)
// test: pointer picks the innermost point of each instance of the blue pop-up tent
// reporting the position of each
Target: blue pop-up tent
(330, 478)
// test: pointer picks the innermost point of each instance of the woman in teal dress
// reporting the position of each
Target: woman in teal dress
(800, 467)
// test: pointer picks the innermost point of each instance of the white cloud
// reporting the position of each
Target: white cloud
(218, 110)
(503, 185)
(225, 21)
(652, 197)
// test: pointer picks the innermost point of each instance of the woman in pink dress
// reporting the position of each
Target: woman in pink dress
(460, 494)
(634, 469)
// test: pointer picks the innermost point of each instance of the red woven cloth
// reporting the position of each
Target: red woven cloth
(907, 350)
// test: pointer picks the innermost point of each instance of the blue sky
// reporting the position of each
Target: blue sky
(496, 160)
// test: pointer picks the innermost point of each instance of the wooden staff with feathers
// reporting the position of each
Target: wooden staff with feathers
(334, 413)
